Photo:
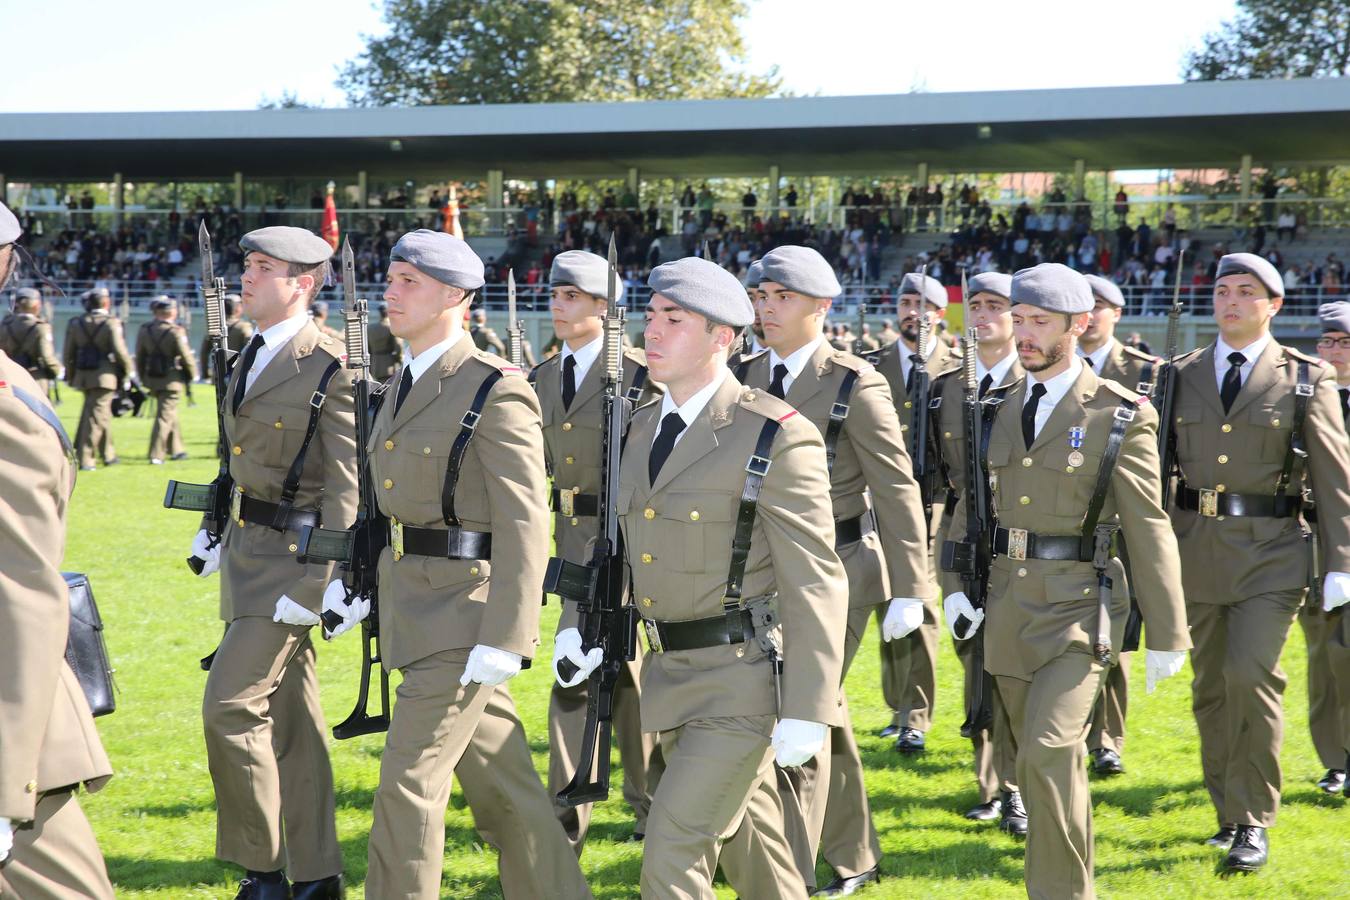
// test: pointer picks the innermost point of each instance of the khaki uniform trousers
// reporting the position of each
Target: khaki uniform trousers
(1049, 714)
(1107, 729)
(166, 436)
(637, 751)
(267, 748)
(718, 772)
(434, 722)
(995, 747)
(1237, 696)
(56, 856)
(1328, 685)
(94, 434)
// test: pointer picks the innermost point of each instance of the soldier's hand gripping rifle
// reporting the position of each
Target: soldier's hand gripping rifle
(598, 587)
(357, 549)
(920, 396)
(515, 329)
(211, 500)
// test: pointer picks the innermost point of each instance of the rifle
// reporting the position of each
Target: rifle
(598, 587)
(357, 549)
(54, 383)
(919, 398)
(858, 346)
(212, 500)
(515, 329)
(971, 558)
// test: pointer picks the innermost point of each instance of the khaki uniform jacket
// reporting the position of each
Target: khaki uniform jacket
(572, 448)
(47, 735)
(105, 331)
(870, 459)
(1040, 609)
(678, 534)
(24, 334)
(888, 364)
(259, 564)
(428, 605)
(386, 353)
(1125, 365)
(484, 338)
(171, 341)
(1231, 559)
(237, 335)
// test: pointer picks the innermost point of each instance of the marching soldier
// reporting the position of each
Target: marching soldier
(724, 505)
(484, 338)
(458, 455)
(165, 365)
(1071, 458)
(51, 747)
(319, 310)
(238, 332)
(752, 338)
(1252, 418)
(96, 363)
(869, 343)
(989, 309)
(881, 542)
(1325, 631)
(288, 409)
(909, 666)
(386, 351)
(568, 386)
(888, 334)
(28, 339)
(1134, 371)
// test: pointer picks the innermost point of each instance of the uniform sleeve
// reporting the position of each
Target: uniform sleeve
(46, 352)
(119, 342)
(68, 350)
(337, 444)
(185, 351)
(874, 430)
(510, 442)
(1136, 489)
(797, 521)
(1328, 466)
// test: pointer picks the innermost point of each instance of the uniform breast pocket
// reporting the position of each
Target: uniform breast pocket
(426, 451)
(703, 520)
(1188, 420)
(283, 427)
(1073, 483)
(1070, 587)
(1271, 425)
(1000, 453)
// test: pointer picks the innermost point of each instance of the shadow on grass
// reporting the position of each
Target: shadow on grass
(1142, 798)
(175, 810)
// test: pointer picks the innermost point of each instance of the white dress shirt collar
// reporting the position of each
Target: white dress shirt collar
(999, 371)
(1252, 351)
(795, 361)
(1055, 389)
(585, 357)
(274, 338)
(423, 361)
(1099, 355)
(694, 405)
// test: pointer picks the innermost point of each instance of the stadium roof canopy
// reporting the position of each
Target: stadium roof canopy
(1197, 125)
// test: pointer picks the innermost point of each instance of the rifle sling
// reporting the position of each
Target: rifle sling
(291, 486)
(467, 426)
(838, 413)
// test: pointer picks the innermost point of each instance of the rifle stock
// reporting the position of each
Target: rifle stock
(920, 397)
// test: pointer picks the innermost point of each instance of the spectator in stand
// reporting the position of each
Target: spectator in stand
(1286, 226)
(1122, 206)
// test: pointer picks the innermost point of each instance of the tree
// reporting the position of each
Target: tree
(539, 51)
(1276, 39)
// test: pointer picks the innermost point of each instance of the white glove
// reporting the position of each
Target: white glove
(335, 600)
(956, 605)
(211, 557)
(1160, 664)
(488, 665)
(1335, 591)
(795, 741)
(291, 613)
(567, 645)
(903, 615)
(6, 838)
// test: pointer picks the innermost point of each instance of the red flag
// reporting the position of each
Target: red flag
(450, 216)
(330, 232)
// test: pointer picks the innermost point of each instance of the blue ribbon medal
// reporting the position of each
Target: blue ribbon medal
(1076, 435)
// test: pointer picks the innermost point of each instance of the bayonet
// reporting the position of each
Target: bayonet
(515, 329)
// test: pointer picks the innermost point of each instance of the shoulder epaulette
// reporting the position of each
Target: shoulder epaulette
(1119, 390)
(500, 363)
(1139, 354)
(846, 360)
(765, 404)
(1300, 355)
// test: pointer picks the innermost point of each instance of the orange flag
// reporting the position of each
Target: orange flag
(330, 232)
(450, 216)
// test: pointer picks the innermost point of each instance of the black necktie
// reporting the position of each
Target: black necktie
(1345, 403)
(404, 385)
(1029, 413)
(1088, 361)
(985, 383)
(779, 377)
(671, 426)
(1232, 380)
(246, 363)
(569, 380)
(909, 379)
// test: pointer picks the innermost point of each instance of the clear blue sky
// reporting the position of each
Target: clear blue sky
(78, 55)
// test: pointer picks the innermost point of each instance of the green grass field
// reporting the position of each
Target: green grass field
(156, 819)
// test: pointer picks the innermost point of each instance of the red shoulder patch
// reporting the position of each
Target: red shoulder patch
(515, 369)
(790, 414)
(1141, 401)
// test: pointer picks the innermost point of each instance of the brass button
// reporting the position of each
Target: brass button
(574, 521)
(646, 557)
(749, 395)
(1179, 420)
(1223, 458)
(1026, 462)
(473, 570)
(570, 460)
(740, 651)
(1220, 488)
(649, 513)
(576, 489)
(31, 787)
(693, 515)
(426, 451)
(236, 450)
(1275, 422)
(388, 483)
(278, 426)
(1225, 427)
(567, 426)
(389, 444)
(1021, 573)
(904, 428)
(1220, 518)
(1087, 592)
(1024, 500)
(909, 404)
(1069, 469)
(646, 601)
(946, 434)
(294, 548)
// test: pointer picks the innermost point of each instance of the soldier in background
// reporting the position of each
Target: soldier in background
(97, 363)
(484, 338)
(319, 310)
(165, 366)
(27, 338)
(386, 351)
(888, 335)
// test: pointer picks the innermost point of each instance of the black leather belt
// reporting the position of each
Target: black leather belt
(1211, 503)
(442, 543)
(1017, 543)
(260, 512)
(695, 634)
(850, 531)
(580, 504)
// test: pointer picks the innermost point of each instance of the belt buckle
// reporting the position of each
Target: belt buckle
(653, 633)
(237, 505)
(1017, 543)
(1209, 503)
(396, 538)
(567, 503)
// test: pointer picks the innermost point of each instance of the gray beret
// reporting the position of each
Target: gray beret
(1106, 289)
(587, 272)
(1256, 266)
(704, 287)
(1053, 287)
(163, 302)
(930, 289)
(1335, 316)
(800, 269)
(755, 274)
(288, 244)
(446, 258)
(318, 308)
(990, 283)
(28, 294)
(9, 226)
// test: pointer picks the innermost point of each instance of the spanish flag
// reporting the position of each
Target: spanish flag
(330, 232)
